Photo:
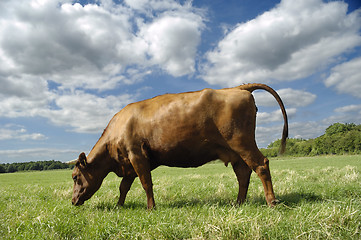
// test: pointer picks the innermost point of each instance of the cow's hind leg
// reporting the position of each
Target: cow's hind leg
(243, 173)
(125, 185)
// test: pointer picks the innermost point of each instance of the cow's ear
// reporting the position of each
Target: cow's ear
(82, 159)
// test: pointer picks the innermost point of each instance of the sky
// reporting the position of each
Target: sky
(66, 67)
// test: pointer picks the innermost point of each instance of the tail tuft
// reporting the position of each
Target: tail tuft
(283, 140)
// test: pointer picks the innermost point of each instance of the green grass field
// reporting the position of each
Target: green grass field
(320, 199)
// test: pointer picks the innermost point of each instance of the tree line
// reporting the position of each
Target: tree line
(338, 139)
(33, 166)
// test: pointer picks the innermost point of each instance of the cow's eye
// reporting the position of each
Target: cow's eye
(75, 178)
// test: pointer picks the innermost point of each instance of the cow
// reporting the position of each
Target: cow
(179, 130)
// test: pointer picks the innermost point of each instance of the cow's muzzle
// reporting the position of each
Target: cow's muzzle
(77, 202)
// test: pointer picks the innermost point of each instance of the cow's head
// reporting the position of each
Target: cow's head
(86, 180)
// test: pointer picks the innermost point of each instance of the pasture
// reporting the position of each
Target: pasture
(320, 199)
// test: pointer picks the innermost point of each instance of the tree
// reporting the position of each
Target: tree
(339, 128)
(338, 139)
(55, 165)
(2, 169)
(35, 166)
(11, 169)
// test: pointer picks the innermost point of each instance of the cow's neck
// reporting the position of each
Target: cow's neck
(99, 157)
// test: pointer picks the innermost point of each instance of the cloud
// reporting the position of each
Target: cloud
(149, 6)
(267, 132)
(266, 135)
(349, 108)
(304, 130)
(166, 38)
(85, 47)
(73, 45)
(307, 129)
(35, 154)
(91, 46)
(346, 77)
(84, 112)
(346, 114)
(22, 95)
(290, 97)
(275, 116)
(11, 131)
(78, 110)
(289, 42)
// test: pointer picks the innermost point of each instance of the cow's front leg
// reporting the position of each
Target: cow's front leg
(146, 180)
(243, 173)
(142, 168)
(125, 185)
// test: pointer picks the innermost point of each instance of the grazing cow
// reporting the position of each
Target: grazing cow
(179, 130)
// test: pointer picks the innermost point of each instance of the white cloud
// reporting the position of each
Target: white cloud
(73, 45)
(84, 112)
(349, 108)
(266, 135)
(304, 130)
(9, 132)
(148, 6)
(290, 97)
(95, 46)
(91, 46)
(289, 42)
(173, 41)
(345, 114)
(307, 129)
(81, 111)
(346, 77)
(275, 116)
(22, 95)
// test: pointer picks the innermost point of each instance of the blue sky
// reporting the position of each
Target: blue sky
(67, 67)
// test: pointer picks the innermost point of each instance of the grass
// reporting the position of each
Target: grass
(321, 199)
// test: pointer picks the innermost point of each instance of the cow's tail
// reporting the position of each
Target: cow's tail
(254, 86)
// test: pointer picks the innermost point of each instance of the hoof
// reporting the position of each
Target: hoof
(274, 203)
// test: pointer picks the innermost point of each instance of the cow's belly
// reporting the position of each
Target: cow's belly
(184, 160)
(187, 155)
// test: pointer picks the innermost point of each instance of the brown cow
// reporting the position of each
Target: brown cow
(179, 130)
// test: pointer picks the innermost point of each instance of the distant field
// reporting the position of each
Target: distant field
(320, 199)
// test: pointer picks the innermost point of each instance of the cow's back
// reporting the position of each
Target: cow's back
(187, 129)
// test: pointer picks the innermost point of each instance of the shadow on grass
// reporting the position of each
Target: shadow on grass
(181, 203)
(109, 206)
(292, 199)
(194, 202)
(295, 198)
(289, 199)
